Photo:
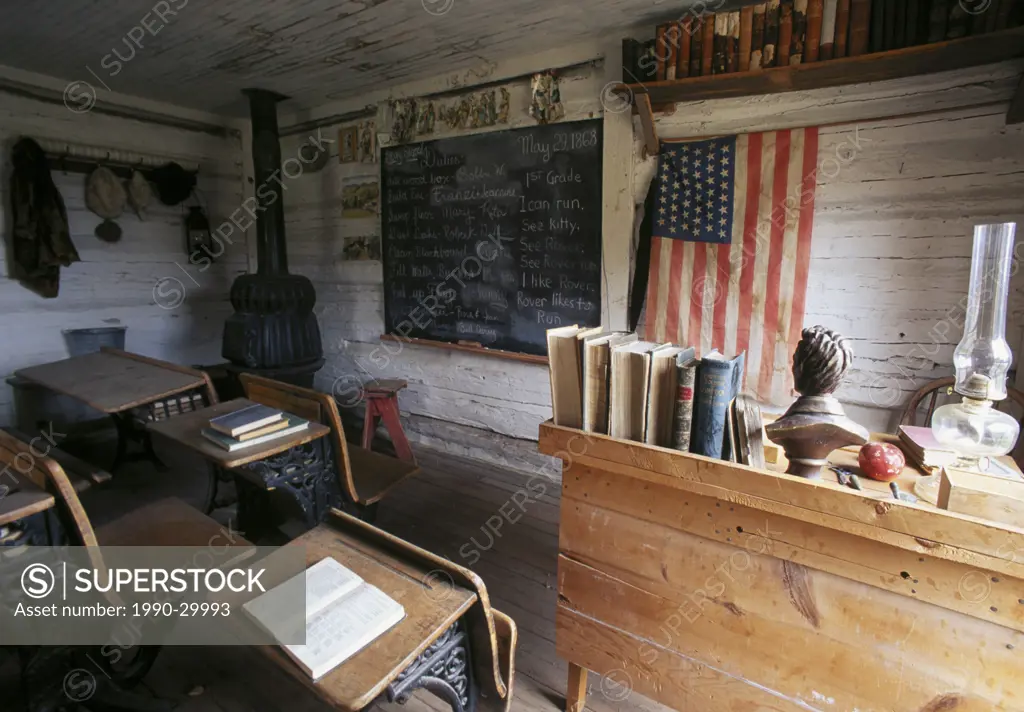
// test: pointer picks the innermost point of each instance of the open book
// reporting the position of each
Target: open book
(343, 615)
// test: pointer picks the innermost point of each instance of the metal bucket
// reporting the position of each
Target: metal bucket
(87, 341)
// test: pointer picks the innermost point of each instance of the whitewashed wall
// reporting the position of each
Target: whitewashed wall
(890, 258)
(463, 403)
(114, 283)
(890, 255)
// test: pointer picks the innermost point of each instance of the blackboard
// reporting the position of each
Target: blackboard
(493, 238)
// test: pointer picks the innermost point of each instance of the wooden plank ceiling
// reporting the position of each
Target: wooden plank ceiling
(201, 54)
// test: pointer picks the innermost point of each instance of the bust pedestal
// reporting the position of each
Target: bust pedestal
(813, 427)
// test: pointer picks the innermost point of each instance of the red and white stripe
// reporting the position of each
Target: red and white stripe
(748, 295)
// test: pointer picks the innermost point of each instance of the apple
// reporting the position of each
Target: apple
(881, 461)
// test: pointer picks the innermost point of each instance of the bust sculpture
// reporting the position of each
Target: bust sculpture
(816, 424)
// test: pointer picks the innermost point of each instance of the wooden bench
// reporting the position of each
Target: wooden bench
(364, 477)
(81, 473)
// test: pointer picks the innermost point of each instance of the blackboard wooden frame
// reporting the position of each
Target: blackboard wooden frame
(467, 348)
(564, 287)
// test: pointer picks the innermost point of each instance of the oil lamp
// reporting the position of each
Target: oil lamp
(972, 427)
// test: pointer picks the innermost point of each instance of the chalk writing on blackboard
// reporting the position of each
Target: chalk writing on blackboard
(493, 238)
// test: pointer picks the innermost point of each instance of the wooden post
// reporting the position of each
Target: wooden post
(576, 689)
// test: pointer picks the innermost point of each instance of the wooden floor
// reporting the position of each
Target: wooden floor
(499, 523)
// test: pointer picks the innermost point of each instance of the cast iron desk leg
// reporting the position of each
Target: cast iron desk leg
(445, 669)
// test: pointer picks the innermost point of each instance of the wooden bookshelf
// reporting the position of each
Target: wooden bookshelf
(894, 64)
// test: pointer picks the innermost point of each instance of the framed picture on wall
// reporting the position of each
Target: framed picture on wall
(348, 144)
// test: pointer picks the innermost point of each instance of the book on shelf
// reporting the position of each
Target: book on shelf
(720, 46)
(958, 22)
(718, 381)
(757, 37)
(661, 396)
(842, 29)
(1004, 13)
(631, 374)
(293, 424)
(746, 39)
(923, 448)
(782, 49)
(938, 16)
(771, 34)
(661, 51)
(893, 33)
(860, 27)
(749, 431)
(912, 28)
(242, 421)
(828, 30)
(732, 42)
(799, 37)
(565, 367)
(343, 614)
(630, 60)
(877, 39)
(707, 67)
(686, 379)
(647, 63)
(696, 45)
(812, 47)
(897, 33)
(597, 378)
(683, 50)
(671, 62)
(730, 449)
(976, 21)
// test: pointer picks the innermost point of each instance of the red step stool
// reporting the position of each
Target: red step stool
(382, 404)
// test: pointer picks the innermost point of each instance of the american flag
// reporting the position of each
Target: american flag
(731, 249)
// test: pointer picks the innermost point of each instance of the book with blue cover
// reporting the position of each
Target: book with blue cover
(242, 421)
(295, 425)
(719, 381)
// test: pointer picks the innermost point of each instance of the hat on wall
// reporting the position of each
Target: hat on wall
(104, 194)
(173, 183)
(139, 193)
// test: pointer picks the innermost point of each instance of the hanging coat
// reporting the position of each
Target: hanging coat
(40, 239)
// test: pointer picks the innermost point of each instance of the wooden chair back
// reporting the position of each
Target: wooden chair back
(311, 405)
(46, 474)
(923, 404)
(493, 634)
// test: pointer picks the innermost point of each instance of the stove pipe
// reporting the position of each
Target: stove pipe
(273, 331)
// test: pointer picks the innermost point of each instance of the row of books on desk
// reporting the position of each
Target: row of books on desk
(659, 394)
(255, 425)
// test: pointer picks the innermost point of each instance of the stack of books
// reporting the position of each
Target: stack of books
(781, 33)
(250, 426)
(659, 394)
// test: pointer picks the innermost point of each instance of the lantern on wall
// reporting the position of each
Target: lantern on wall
(197, 233)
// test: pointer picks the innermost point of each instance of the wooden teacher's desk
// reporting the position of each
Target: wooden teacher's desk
(708, 585)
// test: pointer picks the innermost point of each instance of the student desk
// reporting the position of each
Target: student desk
(705, 584)
(451, 641)
(122, 385)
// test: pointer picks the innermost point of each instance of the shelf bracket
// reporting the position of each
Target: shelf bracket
(1016, 113)
(642, 105)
